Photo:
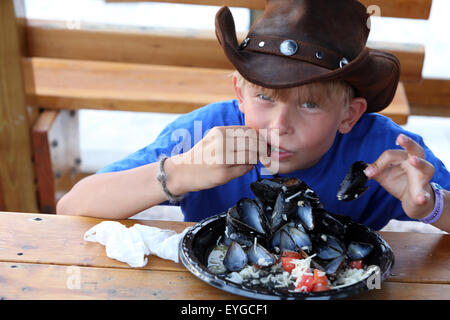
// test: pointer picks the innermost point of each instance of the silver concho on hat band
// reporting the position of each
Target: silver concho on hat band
(288, 47)
(343, 62)
(244, 43)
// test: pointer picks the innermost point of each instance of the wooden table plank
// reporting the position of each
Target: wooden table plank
(421, 258)
(59, 240)
(407, 291)
(44, 281)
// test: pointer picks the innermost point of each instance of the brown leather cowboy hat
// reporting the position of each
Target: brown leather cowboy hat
(300, 41)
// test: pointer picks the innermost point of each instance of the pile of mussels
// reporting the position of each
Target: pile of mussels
(287, 215)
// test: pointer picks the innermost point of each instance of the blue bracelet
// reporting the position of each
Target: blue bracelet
(438, 205)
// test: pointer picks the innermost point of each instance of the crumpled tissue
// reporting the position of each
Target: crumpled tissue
(133, 244)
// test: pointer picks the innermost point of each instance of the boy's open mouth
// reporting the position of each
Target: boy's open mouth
(278, 153)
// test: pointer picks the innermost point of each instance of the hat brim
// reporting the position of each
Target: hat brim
(373, 74)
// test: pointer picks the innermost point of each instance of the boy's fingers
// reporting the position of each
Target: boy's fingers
(240, 170)
(418, 184)
(411, 146)
(422, 165)
(243, 138)
(386, 160)
(419, 174)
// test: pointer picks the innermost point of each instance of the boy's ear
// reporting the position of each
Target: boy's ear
(353, 112)
(239, 94)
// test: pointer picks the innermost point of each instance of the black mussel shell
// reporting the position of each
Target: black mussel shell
(258, 255)
(335, 265)
(301, 239)
(286, 242)
(268, 189)
(239, 235)
(305, 214)
(292, 239)
(275, 240)
(328, 247)
(358, 250)
(326, 223)
(248, 213)
(235, 258)
(313, 198)
(354, 183)
(281, 213)
(327, 253)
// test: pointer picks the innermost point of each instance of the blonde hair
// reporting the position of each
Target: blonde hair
(316, 91)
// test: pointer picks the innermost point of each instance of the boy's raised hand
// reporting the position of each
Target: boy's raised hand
(406, 175)
(225, 153)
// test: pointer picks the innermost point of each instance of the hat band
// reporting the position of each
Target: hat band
(295, 50)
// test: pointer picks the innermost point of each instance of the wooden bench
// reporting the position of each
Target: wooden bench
(153, 70)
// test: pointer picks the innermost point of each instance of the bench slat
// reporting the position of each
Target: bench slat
(429, 97)
(167, 47)
(75, 84)
(417, 9)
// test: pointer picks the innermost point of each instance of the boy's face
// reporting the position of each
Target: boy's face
(307, 122)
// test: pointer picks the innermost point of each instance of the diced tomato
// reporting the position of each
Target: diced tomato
(306, 283)
(288, 263)
(319, 287)
(288, 258)
(320, 277)
(357, 264)
(292, 254)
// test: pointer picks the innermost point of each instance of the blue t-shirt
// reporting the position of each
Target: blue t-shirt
(371, 135)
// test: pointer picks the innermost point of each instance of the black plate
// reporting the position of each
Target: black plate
(201, 239)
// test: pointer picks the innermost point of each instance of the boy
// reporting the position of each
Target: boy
(308, 86)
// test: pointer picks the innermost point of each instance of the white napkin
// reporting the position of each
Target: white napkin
(131, 245)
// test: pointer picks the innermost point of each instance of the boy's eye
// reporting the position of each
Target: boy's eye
(309, 105)
(264, 97)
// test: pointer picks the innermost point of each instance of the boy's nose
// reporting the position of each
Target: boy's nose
(282, 120)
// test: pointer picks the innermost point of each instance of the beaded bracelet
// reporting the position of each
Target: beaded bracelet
(438, 205)
(162, 178)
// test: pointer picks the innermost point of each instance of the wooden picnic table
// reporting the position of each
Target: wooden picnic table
(44, 256)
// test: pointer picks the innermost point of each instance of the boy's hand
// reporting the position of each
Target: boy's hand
(225, 153)
(406, 175)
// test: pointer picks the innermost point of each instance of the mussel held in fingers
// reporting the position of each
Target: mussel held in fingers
(354, 182)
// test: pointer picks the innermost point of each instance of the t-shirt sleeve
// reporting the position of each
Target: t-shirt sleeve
(181, 135)
(163, 144)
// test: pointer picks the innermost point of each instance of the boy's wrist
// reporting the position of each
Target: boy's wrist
(421, 211)
(175, 176)
(437, 204)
